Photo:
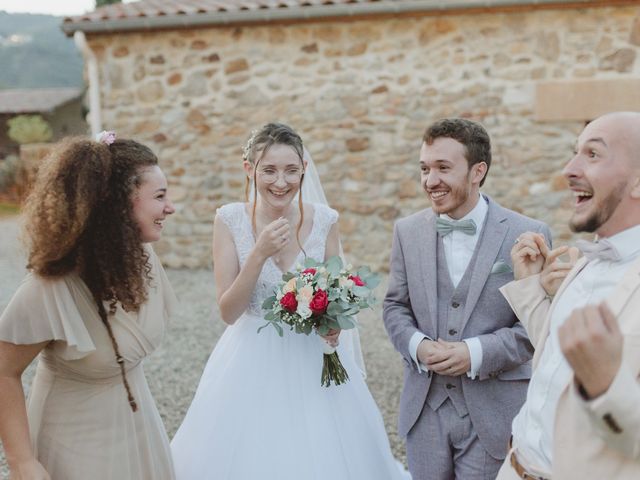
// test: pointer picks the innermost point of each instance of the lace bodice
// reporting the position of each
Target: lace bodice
(238, 221)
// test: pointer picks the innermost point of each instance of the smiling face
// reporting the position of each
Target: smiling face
(603, 177)
(445, 175)
(151, 205)
(278, 174)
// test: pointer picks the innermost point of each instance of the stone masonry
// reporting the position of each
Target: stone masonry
(360, 93)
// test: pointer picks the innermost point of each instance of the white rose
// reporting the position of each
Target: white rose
(305, 294)
(303, 310)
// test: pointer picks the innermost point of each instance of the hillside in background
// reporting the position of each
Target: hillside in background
(34, 53)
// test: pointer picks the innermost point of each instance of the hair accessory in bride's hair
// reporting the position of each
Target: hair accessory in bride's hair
(246, 150)
(106, 137)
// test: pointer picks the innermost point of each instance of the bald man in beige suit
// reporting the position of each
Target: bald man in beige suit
(581, 419)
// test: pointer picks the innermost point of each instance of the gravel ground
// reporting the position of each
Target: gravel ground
(174, 370)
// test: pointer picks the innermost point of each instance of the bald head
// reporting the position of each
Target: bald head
(622, 132)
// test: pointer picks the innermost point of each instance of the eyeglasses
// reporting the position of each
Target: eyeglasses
(290, 176)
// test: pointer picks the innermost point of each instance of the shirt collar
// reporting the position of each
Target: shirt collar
(477, 214)
(627, 242)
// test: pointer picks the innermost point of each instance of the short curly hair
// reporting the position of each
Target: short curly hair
(472, 135)
(79, 218)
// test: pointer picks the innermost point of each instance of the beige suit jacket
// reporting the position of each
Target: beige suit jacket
(598, 439)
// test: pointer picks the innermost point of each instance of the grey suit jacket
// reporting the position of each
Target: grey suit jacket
(410, 305)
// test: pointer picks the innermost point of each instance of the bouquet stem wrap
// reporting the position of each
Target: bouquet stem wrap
(332, 369)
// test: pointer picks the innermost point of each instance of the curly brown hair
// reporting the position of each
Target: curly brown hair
(79, 218)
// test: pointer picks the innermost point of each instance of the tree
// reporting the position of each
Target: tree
(29, 129)
(102, 3)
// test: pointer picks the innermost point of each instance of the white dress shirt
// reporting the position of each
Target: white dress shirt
(533, 426)
(458, 251)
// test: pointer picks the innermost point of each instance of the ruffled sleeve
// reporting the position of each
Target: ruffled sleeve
(49, 309)
(326, 217)
(232, 216)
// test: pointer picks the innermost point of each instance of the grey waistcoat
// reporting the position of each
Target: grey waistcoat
(451, 303)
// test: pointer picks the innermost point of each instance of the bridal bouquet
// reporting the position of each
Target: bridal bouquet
(321, 297)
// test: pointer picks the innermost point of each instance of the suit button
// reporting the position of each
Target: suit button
(455, 304)
(450, 386)
(452, 332)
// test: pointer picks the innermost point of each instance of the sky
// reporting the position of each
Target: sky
(51, 7)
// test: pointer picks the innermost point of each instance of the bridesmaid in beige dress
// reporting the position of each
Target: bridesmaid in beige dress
(94, 305)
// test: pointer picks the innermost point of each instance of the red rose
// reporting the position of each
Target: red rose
(319, 302)
(356, 280)
(289, 302)
(310, 271)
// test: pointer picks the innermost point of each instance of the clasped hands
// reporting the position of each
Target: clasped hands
(590, 339)
(444, 358)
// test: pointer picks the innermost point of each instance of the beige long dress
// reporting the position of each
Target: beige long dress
(82, 426)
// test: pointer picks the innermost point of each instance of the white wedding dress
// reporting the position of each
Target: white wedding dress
(260, 412)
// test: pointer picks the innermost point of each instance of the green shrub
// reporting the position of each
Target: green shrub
(29, 129)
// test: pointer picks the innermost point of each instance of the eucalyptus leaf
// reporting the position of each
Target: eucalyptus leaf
(334, 265)
(372, 281)
(335, 308)
(310, 263)
(346, 322)
(268, 302)
(361, 292)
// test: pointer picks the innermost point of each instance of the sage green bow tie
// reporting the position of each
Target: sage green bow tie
(445, 227)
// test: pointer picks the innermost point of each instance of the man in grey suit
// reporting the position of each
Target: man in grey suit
(467, 356)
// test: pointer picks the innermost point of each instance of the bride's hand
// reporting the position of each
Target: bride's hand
(332, 338)
(273, 238)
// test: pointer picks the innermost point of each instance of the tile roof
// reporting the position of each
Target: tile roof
(36, 99)
(157, 8)
(156, 14)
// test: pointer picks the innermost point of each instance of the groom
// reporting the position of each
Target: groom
(467, 356)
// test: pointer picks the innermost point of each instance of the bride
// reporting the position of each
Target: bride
(259, 411)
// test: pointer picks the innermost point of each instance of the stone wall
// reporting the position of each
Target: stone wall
(361, 94)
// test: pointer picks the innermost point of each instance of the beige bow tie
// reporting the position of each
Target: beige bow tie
(601, 249)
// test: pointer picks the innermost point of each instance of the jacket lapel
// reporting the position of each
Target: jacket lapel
(577, 268)
(489, 244)
(428, 263)
(623, 293)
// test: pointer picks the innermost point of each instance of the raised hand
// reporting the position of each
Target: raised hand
(591, 342)
(528, 255)
(554, 270)
(450, 358)
(273, 238)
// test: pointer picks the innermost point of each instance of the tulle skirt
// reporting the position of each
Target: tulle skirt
(261, 413)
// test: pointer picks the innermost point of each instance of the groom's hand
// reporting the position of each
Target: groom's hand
(528, 255)
(452, 359)
(426, 348)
